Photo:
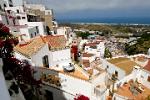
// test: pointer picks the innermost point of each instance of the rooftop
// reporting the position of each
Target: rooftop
(30, 47)
(123, 63)
(91, 44)
(77, 73)
(56, 42)
(86, 63)
(87, 55)
(140, 91)
(147, 67)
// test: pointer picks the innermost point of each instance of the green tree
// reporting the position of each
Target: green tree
(141, 46)
(84, 35)
(107, 53)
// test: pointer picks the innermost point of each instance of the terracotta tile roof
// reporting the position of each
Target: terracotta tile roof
(147, 67)
(56, 42)
(30, 47)
(125, 92)
(87, 54)
(141, 58)
(86, 63)
(77, 73)
(91, 44)
(124, 63)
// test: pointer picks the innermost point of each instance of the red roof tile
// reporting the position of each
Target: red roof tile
(56, 42)
(147, 67)
(91, 44)
(87, 54)
(86, 63)
(31, 47)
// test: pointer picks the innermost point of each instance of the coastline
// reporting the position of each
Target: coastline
(107, 21)
(125, 24)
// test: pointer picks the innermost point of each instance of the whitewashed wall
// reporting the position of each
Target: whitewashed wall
(37, 58)
(63, 31)
(143, 78)
(60, 57)
(2, 2)
(14, 9)
(99, 79)
(40, 26)
(112, 68)
(3, 19)
(101, 49)
(26, 32)
(69, 84)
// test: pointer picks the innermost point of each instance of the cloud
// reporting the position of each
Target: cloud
(74, 5)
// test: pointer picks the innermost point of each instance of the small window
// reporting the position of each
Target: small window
(107, 66)
(35, 33)
(37, 29)
(116, 73)
(8, 11)
(17, 11)
(23, 17)
(31, 35)
(10, 5)
(148, 79)
(18, 17)
(0, 7)
(45, 61)
(5, 5)
(10, 1)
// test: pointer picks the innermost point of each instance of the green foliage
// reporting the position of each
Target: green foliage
(141, 46)
(84, 35)
(107, 53)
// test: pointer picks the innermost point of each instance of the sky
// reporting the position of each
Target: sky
(97, 8)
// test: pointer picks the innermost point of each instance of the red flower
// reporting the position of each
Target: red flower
(1, 43)
(81, 97)
(5, 29)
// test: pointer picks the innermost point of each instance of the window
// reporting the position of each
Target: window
(37, 29)
(107, 66)
(31, 35)
(35, 33)
(10, 1)
(23, 17)
(18, 17)
(148, 79)
(0, 7)
(17, 11)
(8, 11)
(5, 5)
(116, 73)
(45, 61)
(10, 5)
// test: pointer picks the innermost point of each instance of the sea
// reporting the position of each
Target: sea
(116, 20)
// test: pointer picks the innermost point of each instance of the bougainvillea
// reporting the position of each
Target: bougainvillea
(7, 42)
(81, 97)
(21, 71)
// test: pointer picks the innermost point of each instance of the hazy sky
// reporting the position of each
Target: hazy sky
(98, 8)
